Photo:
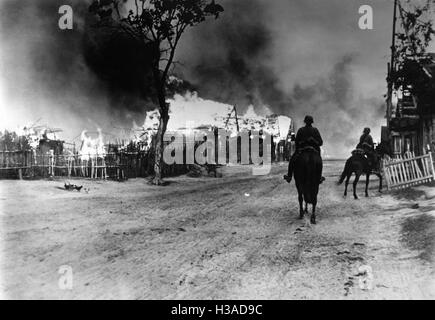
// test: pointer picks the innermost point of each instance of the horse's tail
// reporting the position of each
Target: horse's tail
(311, 180)
(346, 171)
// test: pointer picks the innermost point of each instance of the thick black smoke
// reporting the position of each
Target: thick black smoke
(231, 58)
(121, 62)
(234, 61)
(95, 72)
(95, 76)
(339, 112)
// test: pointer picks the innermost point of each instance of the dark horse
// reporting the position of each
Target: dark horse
(359, 165)
(307, 173)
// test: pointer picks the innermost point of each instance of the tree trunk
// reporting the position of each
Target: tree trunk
(159, 82)
(158, 151)
(160, 86)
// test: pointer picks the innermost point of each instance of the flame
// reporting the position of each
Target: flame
(92, 148)
(35, 135)
(190, 113)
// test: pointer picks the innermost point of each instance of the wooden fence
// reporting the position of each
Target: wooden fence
(408, 170)
(119, 165)
(120, 162)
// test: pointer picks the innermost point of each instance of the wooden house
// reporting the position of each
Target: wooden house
(411, 109)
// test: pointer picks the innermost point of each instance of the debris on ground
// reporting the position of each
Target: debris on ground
(195, 171)
(160, 230)
(358, 244)
(347, 286)
(365, 274)
(343, 252)
(208, 170)
(72, 187)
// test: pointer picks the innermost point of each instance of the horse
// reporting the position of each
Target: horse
(307, 173)
(358, 163)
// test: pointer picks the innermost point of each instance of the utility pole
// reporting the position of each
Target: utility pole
(391, 66)
(237, 119)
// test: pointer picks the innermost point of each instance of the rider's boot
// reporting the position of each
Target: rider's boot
(322, 178)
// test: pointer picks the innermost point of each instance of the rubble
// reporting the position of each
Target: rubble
(72, 187)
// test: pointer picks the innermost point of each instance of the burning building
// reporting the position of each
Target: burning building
(91, 147)
(190, 115)
(43, 138)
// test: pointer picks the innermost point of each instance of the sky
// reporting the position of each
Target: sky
(294, 57)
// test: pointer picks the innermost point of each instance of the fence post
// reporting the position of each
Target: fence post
(431, 164)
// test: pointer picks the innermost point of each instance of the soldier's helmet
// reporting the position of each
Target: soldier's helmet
(308, 120)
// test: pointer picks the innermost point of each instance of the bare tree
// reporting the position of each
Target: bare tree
(417, 29)
(413, 39)
(160, 23)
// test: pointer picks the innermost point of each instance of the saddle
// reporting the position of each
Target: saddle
(358, 151)
(371, 159)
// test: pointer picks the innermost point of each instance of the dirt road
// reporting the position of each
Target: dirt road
(237, 237)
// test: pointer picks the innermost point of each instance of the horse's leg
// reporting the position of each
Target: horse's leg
(346, 184)
(306, 207)
(367, 184)
(380, 182)
(313, 215)
(355, 183)
(301, 205)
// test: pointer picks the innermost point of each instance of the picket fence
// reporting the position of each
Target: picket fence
(408, 170)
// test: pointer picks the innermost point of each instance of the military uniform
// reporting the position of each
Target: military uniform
(366, 142)
(307, 136)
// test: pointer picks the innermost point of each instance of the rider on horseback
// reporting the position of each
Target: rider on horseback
(367, 145)
(307, 136)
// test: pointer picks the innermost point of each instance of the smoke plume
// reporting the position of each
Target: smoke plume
(87, 77)
(339, 113)
(235, 68)
(242, 60)
(291, 57)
